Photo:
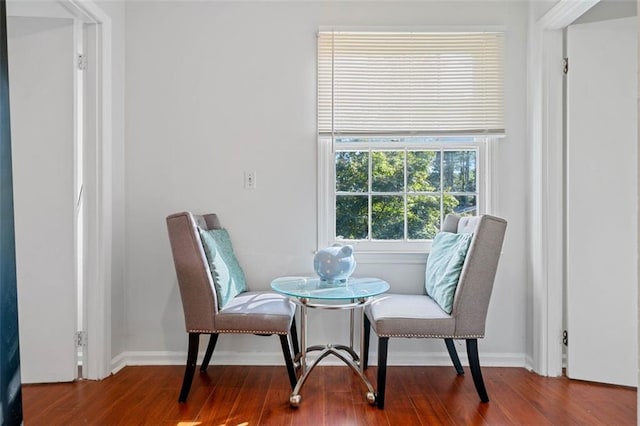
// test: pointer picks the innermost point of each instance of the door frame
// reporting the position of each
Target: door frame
(547, 169)
(97, 185)
(99, 196)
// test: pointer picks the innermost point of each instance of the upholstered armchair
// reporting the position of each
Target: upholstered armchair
(463, 317)
(214, 295)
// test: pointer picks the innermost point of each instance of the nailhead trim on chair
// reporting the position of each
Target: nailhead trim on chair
(238, 331)
(436, 336)
(253, 332)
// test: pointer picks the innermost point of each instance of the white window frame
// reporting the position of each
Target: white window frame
(410, 251)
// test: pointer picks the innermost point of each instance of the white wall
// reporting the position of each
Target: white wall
(609, 9)
(217, 88)
(539, 7)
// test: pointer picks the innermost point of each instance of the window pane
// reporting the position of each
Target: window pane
(352, 217)
(388, 171)
(459, 171)
(423, 216)
(423, 171)
(462, 205)
(352, 171)
(387, 217)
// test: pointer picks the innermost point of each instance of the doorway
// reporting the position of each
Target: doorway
(546, 136)
(43, 88)
(90, 195)
(601, 189)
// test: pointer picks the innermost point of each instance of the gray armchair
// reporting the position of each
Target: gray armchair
(419, 316)
(252, 312)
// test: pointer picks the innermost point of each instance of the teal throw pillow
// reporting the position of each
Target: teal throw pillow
(228, 277)
(444, 265)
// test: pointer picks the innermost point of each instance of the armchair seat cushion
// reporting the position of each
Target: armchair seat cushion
(257, 312)
(403, 315)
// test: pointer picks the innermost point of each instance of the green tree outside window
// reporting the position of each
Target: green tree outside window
(402, 194)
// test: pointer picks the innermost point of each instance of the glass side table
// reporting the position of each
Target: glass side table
(312, 292)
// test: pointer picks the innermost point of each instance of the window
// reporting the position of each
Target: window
(404, 122)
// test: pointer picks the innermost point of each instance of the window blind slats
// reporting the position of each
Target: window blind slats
(408, 83)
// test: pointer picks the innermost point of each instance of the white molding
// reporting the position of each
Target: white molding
(528, 363)
(417, 28)
(180, 358)
(555, 193)
(442, 358)
(487, 177)
(547, 192)
(137, 358)
(98, 285)
(400, 258)
(325, 183)
(118, 362)
(564, 13)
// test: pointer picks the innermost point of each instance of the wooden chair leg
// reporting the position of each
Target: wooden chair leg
(294, 338)
(383, 344)
(474, 365)
(192, 355)
(367, 339)
(286, 351)
(207, 355)
(453, 353)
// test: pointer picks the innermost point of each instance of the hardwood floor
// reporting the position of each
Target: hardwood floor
(251, 395)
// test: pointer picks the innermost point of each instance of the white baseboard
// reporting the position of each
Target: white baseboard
(528, 363)
(275, 358)
(442, 358)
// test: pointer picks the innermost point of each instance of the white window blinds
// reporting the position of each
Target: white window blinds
(384, 83)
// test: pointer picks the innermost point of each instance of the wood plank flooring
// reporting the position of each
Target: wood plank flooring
(253, 395)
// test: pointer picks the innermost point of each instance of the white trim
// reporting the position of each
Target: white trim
(442, 358)
(98, 256)
(131, 358)
(564, 13)
(326, 182)
(419, 29)
(387, 258)
(555, 199)
(528, 363)
(78, 139)
(545, 141)
(119, 362)
(487, 177)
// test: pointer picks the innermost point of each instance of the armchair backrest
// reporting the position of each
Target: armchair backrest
(197, 291)
(471, 300)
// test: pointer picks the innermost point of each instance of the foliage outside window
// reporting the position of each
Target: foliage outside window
(402, 194)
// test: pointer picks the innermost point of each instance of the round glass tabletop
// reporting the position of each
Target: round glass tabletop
(312, 287)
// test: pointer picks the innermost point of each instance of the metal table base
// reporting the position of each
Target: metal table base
(343, 352)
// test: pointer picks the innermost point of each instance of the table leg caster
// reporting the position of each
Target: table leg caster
(371, 398)
(294, 400)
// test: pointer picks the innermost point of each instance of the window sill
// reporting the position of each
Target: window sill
(368, 257)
